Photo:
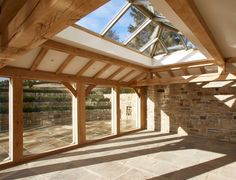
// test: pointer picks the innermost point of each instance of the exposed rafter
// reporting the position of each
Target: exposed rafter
(83, 69)
(99, 73)
(115, 73)
(190, 15)
(64, 64)
(36, 21)
(38, 59)
(50, 44)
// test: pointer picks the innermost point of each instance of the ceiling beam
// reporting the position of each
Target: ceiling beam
(182, 66)
(102, 70)
(188, 12)
(86, 66)
(36, 21)
(38, 59)
(126, 75)
(50, 76)
(187, 79)
(50, 44)
(115, 73)
(64, 64)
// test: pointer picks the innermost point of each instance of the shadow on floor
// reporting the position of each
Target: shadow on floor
(182, 143)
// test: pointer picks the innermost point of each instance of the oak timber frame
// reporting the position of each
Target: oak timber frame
(79, 91)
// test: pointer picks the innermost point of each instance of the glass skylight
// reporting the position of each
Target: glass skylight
(137, 25)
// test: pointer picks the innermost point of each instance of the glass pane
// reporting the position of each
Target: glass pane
(4, 119)
(47, 116)
(128, 109)
(148, 51)
(126, 25)
(188, 43)
(159, 50)
(98, 113)
(98, 19)
(171, 40)
(159, 16)
(146, 35)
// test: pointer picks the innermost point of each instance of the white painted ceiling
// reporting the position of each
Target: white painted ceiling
(220, 17)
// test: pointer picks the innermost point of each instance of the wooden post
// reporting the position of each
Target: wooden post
(16, 119)
(81, 112)
(143, 107)
(116, 110)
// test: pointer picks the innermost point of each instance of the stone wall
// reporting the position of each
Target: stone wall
(203, 109)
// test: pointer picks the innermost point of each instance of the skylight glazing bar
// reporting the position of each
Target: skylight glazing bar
(148, 21)
(163, 45)
(148, 44)
(116, 18)
(158, 36)
(182, 40)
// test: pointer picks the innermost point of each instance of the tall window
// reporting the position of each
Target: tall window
(47, 116)
(98, 113)
(4, 119)
(129, 110)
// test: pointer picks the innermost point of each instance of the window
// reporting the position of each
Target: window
(98, 113)
(47, 116)
(4, 119)
(136, 25)
(98, 19)
(127, 24)
(171, 40)
(145, 36)
(129, 109)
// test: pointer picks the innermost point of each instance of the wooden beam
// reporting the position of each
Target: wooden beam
(50, 44)
(89, 89)
(115, 73)
(16, 119)
(43, 75)
(83, 69)
(102, 70)
(137, 90)
(64, 64)
(126, 75)
(231, 60)
(143, 107)
(187, 79)
(188, 12)
(181, 66)
(70, 88)
(171, 73)
(38, 21)
(203, 70)
(81, 111)
(157, 75)
(118, 113)
(38, 59)
(185, 71)
(137, 77)
(9, 9)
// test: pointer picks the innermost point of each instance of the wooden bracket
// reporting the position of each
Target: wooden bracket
(70, 88)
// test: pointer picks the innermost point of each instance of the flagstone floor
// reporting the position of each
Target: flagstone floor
(48, 138)
(142, 155)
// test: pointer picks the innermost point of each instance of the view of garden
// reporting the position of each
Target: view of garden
(47, 115)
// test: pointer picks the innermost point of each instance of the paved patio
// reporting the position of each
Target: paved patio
(48, 138)
(143, 155)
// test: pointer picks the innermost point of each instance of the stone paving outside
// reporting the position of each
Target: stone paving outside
(142, 155)
(43, 139)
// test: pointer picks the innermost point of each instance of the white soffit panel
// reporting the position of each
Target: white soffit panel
(194, 71)
(93, 69)
(168, 12)
(122, 73)
(79, 38)
(52, 60)
(179, 57)
(75, 65)
(219, 16)
(178, 72)
(109, 72)
(131, 76)
(26, 60)
(164, 74)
